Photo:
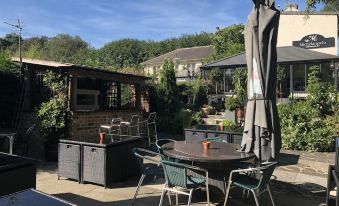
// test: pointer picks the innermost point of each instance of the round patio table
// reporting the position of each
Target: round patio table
(219, 159)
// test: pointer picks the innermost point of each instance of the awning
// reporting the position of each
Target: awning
(286, 55)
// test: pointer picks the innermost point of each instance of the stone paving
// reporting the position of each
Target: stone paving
(299, 180)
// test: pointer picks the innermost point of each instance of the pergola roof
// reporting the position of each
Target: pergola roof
(85, 71)
(286, 55)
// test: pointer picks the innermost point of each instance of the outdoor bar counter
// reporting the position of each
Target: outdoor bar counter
(99, 163)
(16, 173)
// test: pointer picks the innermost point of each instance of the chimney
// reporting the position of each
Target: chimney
(292, 7)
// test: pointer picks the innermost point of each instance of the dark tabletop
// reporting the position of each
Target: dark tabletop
(192, 150)
(32, 197)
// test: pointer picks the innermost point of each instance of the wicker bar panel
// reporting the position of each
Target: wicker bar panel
(69, 161)
(94, 165)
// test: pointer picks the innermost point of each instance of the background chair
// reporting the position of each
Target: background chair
(113, 128)
(176, 175)
(151, 124)
(133, 124)
(256, 186)
(149, 165)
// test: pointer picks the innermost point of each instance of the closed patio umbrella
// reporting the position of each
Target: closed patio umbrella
(262, 128)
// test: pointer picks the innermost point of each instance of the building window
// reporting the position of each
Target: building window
(111, 98)
(299, 77)
(177, 67)
(154, 70)
(128, 96)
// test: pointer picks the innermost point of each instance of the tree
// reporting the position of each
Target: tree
(215, 75)
(228, 41)
(122, 53)
(311, 4)
(168, 89)
(10, 43)
(331, 6)
(64, 47)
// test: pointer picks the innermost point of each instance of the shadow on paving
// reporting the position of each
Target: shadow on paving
(288, 159)
(284, 195)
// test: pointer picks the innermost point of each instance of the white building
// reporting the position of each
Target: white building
(187, 62)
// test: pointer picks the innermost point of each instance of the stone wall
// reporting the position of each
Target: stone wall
(85, 125)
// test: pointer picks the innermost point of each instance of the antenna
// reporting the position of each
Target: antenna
(19, 27)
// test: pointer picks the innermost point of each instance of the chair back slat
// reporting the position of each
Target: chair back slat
(175, 174)
(267, 172)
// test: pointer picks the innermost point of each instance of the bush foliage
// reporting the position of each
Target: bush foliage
(311, 125)
(53, 114)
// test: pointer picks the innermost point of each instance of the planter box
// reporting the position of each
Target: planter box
(16, 173)
(101, 163)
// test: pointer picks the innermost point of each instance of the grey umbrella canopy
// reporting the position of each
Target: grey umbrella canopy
(262, 128)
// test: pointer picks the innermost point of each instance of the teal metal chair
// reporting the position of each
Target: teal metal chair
(256, 186)
(160, 142)
(177, 175)
(149, 165)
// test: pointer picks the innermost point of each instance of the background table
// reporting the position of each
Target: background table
(219, 159)
(32, 197)
(10, 135)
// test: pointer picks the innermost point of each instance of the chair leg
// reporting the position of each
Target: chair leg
(255, 198)
(176, 199)
(208, 194)
(169, 197)
(138, 188)
(190, 198)
(270, 193)
(227, 192)
(149, 138)
(162, 195)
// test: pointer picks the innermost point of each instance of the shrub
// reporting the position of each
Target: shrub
(53, 114)
(168, 97)
(303, 129)
(197, 118)
(199, 94)
(232, 103)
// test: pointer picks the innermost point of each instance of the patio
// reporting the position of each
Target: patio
(299, 180)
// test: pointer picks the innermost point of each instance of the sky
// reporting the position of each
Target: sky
(101, 21)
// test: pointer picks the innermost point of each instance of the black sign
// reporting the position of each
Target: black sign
(314, 41)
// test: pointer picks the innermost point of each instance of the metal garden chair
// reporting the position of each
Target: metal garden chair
(151, 122)
(134, 123)
(160, 142)
(113, 128)
(176, 175)
(150, 168)
(256, 186)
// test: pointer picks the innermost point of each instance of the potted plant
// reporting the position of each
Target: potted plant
(237, 101)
